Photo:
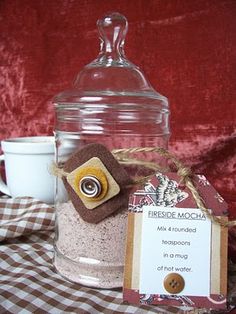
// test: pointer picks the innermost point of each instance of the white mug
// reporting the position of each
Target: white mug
(27, 167)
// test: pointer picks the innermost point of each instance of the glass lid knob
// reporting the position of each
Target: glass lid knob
(113, 28)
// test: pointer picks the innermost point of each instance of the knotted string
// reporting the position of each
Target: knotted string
(185, 174)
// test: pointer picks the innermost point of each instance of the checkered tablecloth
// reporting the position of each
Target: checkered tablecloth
(28, 280)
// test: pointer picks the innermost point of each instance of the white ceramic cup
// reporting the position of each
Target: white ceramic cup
(27, 167)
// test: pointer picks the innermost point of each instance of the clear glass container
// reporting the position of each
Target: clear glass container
(113, 104)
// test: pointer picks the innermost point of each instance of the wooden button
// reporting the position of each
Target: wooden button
(174, 283)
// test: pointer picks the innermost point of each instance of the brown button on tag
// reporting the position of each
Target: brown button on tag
(174, 283)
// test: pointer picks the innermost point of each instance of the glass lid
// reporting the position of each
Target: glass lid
(111, 78)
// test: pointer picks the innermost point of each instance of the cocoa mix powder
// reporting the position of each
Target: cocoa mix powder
(90, 254)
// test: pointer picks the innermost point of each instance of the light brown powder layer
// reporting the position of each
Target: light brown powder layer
(90, 254)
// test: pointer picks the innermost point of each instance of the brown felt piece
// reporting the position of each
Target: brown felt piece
(114, 204)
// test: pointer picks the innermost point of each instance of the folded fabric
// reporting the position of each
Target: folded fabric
(22, 216)
(28, 281)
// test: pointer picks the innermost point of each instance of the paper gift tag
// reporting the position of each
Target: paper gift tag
(175, 255)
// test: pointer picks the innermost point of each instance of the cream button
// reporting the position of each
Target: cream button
(174, 283)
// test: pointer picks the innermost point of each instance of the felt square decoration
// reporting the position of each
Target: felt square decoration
(95, 192)
(96, 183)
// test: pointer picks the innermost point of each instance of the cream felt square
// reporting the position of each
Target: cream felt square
(113, 187)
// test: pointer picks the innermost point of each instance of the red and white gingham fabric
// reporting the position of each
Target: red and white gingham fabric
(28, 280)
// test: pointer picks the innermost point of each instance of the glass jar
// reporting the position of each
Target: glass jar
(113, 104)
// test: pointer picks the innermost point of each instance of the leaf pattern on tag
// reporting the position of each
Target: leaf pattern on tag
(219, 198)
(203, 180)
(166, 193)
(160, 190)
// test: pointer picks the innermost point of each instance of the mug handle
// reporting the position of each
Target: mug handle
(3, 187)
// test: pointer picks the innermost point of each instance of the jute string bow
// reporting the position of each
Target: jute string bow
(185, 174)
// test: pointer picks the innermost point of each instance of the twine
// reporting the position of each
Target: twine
(58, 171)
(184, 172)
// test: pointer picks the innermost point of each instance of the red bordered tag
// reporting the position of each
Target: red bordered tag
(165, 234)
